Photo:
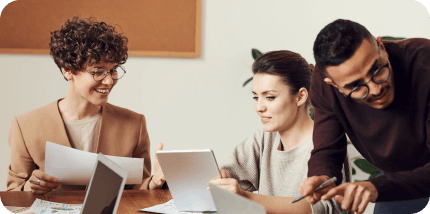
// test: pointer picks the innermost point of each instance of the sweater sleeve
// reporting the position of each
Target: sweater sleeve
(409, 184)
(244, 163)
(21, 164)
(329, 136)
(143, 151)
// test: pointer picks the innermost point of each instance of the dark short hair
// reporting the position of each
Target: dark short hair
(291, 67)
(84, 40)
(338, 41)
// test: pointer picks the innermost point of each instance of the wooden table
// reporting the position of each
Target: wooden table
(131, 200)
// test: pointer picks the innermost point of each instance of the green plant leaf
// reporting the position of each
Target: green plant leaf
(391, 38)
(366, 167)
(255, 53)
(247, 81)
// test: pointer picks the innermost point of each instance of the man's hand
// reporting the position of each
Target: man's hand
(158, 179)
(309, 184)
(227, 183)
(40, 183)
(353, 196)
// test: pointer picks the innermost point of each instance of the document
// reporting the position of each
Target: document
(168, 207)
(44, 207)
(75, 167)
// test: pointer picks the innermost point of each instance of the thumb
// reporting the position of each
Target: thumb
(159, 147)
(223, 173)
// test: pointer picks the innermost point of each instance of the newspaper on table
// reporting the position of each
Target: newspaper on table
(44, 207)
(168, 207)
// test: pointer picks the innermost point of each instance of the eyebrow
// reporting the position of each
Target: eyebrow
(355, 83)
(265, 92)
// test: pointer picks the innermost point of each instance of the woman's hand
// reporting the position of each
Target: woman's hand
(158, 179)
(40, 183)
(227, 183)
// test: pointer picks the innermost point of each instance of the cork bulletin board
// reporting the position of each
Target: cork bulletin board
(167, 28)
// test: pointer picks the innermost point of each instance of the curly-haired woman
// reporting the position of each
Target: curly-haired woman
(89, 54)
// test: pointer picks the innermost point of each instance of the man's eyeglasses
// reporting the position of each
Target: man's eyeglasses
(379, 76)
(102, 72)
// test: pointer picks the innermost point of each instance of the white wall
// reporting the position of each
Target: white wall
(200, 103)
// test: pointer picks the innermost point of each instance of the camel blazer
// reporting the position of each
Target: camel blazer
(122, 133)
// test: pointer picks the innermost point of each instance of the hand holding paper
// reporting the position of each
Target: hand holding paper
(158, 179)
(41, 183)
(74, 167)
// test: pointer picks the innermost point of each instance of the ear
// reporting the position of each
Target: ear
(302, 96)
(67, 74)
(330, 82)
(381, 45)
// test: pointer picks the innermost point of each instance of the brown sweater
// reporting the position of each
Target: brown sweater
(394, 139)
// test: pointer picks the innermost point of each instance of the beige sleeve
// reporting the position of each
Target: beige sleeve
(143, 151)
(21, 164)
(244, 164)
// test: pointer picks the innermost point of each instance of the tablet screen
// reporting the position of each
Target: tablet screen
(103, 191)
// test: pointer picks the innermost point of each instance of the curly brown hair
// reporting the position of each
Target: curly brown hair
(84, 40)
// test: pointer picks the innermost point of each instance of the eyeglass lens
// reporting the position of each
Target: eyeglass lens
(116, 74)
(378, 77)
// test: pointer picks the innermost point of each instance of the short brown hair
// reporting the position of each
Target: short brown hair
(84, 40)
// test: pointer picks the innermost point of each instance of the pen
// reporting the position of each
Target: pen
(321, 186)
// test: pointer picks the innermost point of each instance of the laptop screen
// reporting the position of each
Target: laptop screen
(103, 191)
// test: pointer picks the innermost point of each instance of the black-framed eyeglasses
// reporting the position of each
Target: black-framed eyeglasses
(116, 73)
(379, 76)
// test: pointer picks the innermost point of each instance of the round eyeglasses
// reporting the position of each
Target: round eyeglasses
(379, 76)
(116, 73)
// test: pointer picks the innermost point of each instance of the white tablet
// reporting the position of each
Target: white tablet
(105, 189)
(187, 174)
(230, 203)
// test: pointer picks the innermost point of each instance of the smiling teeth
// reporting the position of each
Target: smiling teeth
(102, 91)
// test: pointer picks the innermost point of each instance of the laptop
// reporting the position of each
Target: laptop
(105, 189)
(230, 203)
(187, 173)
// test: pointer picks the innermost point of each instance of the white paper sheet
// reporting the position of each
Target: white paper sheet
(44, 207)
(75, 167)
(168, 207)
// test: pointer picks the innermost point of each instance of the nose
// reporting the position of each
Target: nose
(260, 106)
(108, 79)
(374, 88)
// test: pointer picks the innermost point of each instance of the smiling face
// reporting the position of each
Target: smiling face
(358, 69)
(85, 89)
(277, 108)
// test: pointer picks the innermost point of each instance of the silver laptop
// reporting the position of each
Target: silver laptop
(187, 173)
(105, 189)
(230, 203)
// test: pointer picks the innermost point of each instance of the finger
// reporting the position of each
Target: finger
(317, 196)
(160, 182)
(35, 181)
(348, 197)
(357, 198)
(339, 190)
(223, 173)
(311, 183)
(39, 188)
(338, 198)
(159, 147)
(223, 181)
(364, 202)
(43, 176)
(311, 199)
